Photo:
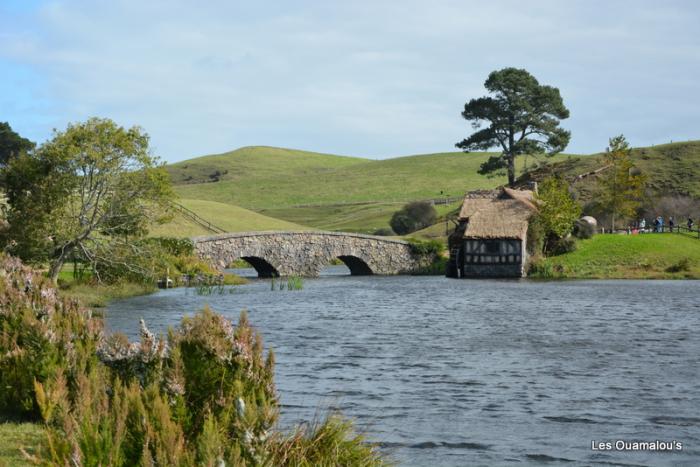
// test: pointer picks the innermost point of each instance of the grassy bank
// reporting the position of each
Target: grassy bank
(648, 256)
(16, 437)
(98, 295)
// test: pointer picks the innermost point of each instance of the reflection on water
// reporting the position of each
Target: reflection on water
(250, 273)
(457, 372)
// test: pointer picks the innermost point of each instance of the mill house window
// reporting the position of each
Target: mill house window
(492, 251)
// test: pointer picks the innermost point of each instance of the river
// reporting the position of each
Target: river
(476, 372)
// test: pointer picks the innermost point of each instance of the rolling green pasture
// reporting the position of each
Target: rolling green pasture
(354, 181)
(228, 217)
(358, 217)
(256, 162)
(348, 193)
(644, 256)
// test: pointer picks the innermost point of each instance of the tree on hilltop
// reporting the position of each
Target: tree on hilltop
(82, 193)
(523, 117)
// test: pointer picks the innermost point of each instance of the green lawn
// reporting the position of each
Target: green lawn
(17, 436)
(646, 256)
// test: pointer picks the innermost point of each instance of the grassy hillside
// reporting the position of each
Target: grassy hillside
(255, 162)
(352, 181)
(359, 217)
(646, 256)
(354, 194)
(226, 216)
(670, 168)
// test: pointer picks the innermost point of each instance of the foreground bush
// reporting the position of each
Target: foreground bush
(41, 337)
(203, 395)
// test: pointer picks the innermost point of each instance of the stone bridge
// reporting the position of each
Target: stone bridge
(275, 254)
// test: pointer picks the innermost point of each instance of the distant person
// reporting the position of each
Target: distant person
(661, 224)
(670, 224)
(657, 223)
(642, 225)
(690, 223)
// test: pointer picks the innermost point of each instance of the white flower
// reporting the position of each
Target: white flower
(240, 406)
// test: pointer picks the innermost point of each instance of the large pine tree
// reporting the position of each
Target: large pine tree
(523, 117)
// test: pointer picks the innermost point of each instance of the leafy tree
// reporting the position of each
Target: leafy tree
(12, 144)
(82, 193)
(523, 118)
(621, 186)
(413, 216)
(557, 212)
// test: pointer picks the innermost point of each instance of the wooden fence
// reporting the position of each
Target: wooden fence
(194, 217)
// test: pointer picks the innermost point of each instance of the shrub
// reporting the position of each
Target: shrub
(413, 216)
(555, 218)
(681, 266)
(42, 337)
(173, 246)
(437, 267)
(535, 236)
(540, 268)
(426, 247)
(384, 232)
(583, 229)
(560, 246)
(331, 442)
(204, 395)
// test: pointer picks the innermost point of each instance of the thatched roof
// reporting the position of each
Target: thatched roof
(500, 213)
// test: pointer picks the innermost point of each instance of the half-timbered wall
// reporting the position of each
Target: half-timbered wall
(492, 251)
(492, 258)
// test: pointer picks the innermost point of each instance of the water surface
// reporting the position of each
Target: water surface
(467, 372)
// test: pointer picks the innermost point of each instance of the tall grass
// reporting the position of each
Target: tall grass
(292, 283)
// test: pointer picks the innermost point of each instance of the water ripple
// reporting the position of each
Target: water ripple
(452, 372)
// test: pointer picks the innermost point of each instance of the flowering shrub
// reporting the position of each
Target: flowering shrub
(202, 395)
(41, 337)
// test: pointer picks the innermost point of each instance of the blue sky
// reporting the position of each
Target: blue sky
(367, 78)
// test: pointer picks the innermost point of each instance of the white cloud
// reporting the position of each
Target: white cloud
(366, 77)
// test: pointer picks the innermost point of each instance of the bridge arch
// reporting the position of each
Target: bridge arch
(261, 266)
(357, 266)
(305, 253)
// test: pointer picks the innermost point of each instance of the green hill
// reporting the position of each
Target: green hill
(323, 180)
(230, 218)
(354, 194)
(671, 169)
(256, 162)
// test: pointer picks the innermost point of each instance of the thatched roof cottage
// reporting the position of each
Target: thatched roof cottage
(491, 237)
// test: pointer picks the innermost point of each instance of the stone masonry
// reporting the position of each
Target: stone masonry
(305, 253)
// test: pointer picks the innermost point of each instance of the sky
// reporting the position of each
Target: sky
(366, 78)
